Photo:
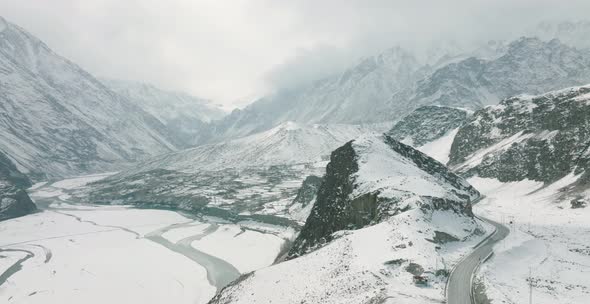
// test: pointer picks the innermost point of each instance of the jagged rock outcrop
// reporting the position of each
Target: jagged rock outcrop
(427, 124)
(382, 208)
(340, 206)
(541, 138)
(14, 200)
(308, 191)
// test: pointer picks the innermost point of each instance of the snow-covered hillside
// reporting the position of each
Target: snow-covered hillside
(256, 175)
(547, 244)
(398, 213)
(360, 94)
(391, 85)
(431, 130)
(529, 65)
(542, 138)
(183, 114)
(287, 144)
(56, 119)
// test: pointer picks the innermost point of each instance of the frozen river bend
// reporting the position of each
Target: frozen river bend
(77, 253)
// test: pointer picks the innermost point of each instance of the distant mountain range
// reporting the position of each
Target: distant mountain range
(59, 120)
(184, 115)
(391, 85)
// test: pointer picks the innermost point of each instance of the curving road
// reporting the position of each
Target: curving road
(460, 281)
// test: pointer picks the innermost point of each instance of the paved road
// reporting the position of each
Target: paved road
(459, 287)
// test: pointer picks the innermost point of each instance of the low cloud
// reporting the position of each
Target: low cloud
(226, 50)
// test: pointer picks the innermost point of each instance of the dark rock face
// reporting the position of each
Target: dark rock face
(334, 210)
(331, 211)
(427, 124)
(542, 138)
(308, 190)
(14, 200)
(9, 172)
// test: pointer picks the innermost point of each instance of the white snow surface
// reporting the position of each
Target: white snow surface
(440, 149)
(382, 169)
(548, 239)
(360, 265)
(80, 262)
(100, 254)
(247, 250)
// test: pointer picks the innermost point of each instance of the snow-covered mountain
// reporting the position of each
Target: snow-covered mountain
(183, 114)
(384, 213)
(289, 143)
(529, 65)
(258, 174)
(530, 157)
(360, 94)
(393, 84)
(540, 138)
(56, 119)
(431, 130)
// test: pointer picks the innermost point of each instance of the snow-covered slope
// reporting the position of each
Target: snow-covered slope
(547, 244)
(397, 213)
(56, 119)
(183, 114)
(431, 130)
(256, 175)
(287, 144)
(360, 94)
(541, 138)
(529, 66)
(391, 85)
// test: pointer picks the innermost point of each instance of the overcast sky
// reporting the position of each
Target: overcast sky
(234, 50)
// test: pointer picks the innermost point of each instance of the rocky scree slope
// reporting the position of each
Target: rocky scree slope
(383, 213)
(349, 199)
(58, 120)
(541, 138)
(427, 124)
(14, 200)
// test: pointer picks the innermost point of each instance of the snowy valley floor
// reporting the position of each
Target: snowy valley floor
(548, 239)
(78, 253)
